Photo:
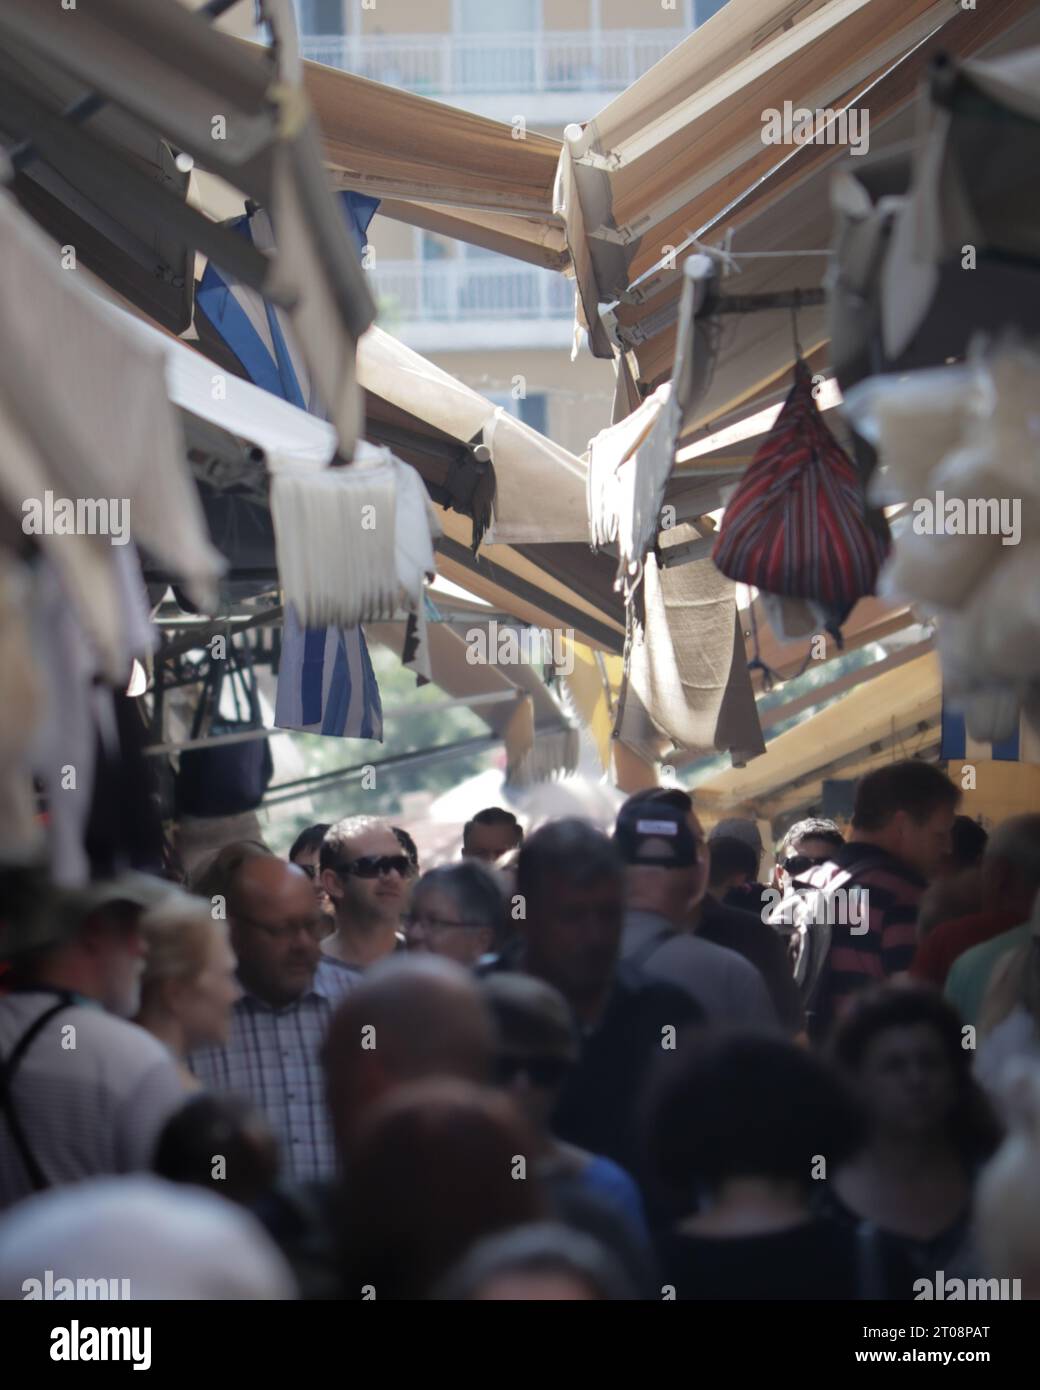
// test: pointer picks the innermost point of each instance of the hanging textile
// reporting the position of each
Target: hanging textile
(258, 336)
(326, 684)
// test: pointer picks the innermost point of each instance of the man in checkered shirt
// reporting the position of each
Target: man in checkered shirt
(278, 1026)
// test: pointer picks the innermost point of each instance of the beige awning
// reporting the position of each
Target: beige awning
(680, 154)
(537, 240)
(540, 739)
(540, 487)
(895, 716)
(394, 144)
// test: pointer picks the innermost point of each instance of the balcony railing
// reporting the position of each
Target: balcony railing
(453, 64)
(460, 290)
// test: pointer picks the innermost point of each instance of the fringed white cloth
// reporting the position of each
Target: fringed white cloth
(355, 544)
(629, 464)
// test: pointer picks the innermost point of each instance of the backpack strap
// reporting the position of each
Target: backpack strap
(640, 957)
(7, 1106)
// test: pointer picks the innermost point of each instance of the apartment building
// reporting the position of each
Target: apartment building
(502, 327)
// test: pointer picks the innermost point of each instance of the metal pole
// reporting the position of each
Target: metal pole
(399, 712)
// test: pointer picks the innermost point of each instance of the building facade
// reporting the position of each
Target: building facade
(502, 327)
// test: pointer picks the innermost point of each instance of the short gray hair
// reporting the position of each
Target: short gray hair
(474, 887)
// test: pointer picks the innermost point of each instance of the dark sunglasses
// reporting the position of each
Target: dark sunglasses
(800, 863)
(540, 1071)
(373, 865)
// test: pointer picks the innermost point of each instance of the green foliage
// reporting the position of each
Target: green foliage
(413, 733)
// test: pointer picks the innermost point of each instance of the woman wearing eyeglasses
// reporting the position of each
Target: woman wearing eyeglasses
(367, 876)
(458, 911)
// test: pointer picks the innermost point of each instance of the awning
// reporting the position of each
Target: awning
(394, 144)
(85, 420)
(539, 487)
(680, 154)
(897, 715)
(199, 92)
(539, 738)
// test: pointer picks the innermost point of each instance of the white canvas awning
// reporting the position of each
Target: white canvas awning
(540, 487)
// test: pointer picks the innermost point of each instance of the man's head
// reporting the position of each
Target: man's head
(738, 828)
(412, 1017)
(87, 939)
(806, 844)
(1011, 865)
(733, 864)
(490, 834)
(306, 851)
(365, 872)
(538, 1042)
(662, 844)
(276, 927)
(569, 881)
(457, 910)
(907, 809)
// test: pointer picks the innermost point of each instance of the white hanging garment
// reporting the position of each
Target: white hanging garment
(22, 696)
(91, 399)
(354, 544)
(961, 446)
(335, 536)
(63, 747)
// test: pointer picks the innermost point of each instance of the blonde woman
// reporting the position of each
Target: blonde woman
(189, 985)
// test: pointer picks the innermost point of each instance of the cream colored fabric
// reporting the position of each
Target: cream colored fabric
(540, 488)
(688, 685)
(394, 144)
(22, 699)
(354, 544)
(85, 414)
(893, 704)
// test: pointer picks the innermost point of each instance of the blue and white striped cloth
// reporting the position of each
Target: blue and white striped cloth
(958, 746)
(326, 684)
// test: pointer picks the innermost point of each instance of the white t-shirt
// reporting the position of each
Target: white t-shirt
(92, 1093)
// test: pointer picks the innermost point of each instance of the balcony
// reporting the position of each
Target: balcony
(463, 303)
(467, 65)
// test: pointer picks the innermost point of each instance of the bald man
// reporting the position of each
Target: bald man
(289, 993)
(412, 1017)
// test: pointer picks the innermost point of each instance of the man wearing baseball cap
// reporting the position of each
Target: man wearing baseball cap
(666, 876)
(82, 1091)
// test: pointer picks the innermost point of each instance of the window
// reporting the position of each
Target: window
(321, 16)
(704, 9)
(532, 409)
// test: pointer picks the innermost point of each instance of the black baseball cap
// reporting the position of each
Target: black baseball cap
(655, 833)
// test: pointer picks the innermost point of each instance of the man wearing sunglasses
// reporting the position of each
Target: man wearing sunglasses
(808, 844)
(367, 876)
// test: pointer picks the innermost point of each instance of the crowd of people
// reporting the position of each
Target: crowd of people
(567, 1065)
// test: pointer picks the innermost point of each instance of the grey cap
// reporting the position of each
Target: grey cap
(738, 828)
(40, 914)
